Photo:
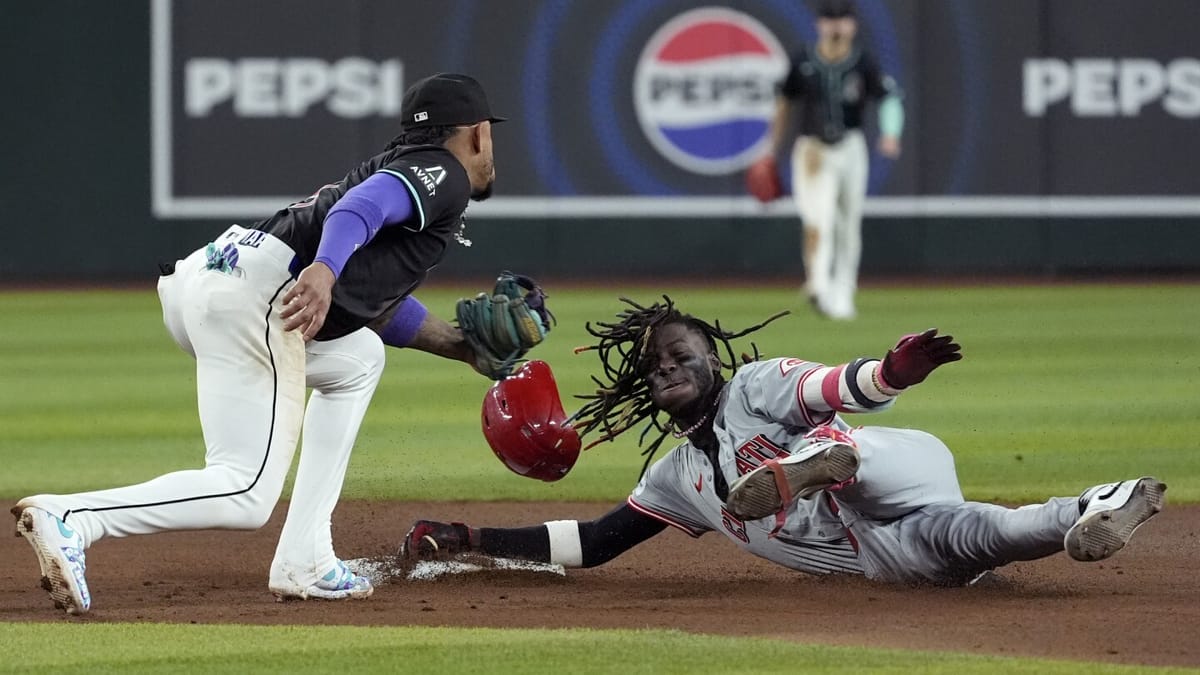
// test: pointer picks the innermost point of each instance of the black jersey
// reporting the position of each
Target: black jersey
(832, 96)
(391, 265)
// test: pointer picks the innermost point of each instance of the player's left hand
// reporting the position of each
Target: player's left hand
(501, 327)
(889, 146)
(306, 303)
(915, 356)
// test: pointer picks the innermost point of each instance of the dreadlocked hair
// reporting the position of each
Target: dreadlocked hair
(437, 135)
(624, 400)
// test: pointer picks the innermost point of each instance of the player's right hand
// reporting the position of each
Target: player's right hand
(430, 540)
(915, 356)
(306, 304)
(762, 180)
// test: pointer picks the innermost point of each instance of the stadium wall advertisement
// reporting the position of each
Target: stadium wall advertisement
(1072, 106)
(1042, 136)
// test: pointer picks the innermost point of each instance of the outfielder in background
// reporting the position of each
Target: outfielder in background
(824, 98)
(305, 298)
(768, 462)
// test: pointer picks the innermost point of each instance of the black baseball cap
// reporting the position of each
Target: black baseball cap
(445, 99)
(835, 9)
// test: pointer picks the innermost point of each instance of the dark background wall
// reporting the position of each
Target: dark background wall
(75, 181)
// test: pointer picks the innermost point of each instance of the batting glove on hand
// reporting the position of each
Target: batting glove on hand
(429, 540)
(915, 356)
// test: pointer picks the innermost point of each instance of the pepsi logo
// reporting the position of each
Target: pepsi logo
(704, 89)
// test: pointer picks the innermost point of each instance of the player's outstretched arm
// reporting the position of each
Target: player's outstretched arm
(439, 337)
(860, 386)
(569, 543)
(411, 326)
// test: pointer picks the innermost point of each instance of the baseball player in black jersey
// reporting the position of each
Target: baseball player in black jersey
(304, 299)
(766, 460)
(824, 98)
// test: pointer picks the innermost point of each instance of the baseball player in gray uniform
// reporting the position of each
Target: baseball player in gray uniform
(306, 298)
(769, 462)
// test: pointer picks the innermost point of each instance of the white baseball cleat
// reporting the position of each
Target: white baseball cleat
(767, 489)
(1110, 514)
(60, 555)
(339, 584)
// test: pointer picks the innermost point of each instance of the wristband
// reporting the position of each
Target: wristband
(565, 547)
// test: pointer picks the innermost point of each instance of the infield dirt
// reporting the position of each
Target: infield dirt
(1142, 606)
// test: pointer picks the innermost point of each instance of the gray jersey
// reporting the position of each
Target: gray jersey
(903, 519)
(679, 491)
(763, 410)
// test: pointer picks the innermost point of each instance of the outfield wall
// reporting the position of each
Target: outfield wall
(1038, 142)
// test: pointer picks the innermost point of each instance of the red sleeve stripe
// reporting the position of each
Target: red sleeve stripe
(831, 389)
(805, 411)
(660, 517)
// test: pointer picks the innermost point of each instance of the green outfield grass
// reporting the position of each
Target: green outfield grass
(150, 648)
(1062, 386)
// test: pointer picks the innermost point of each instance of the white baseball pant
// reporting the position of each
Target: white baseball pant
(250, 378)
(907, 514)
(829, 183)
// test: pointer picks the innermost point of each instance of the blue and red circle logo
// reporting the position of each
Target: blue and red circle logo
(704, 89)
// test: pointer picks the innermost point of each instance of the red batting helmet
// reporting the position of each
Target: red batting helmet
(524, 422)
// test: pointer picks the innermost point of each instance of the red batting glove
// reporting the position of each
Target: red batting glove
(915, 356)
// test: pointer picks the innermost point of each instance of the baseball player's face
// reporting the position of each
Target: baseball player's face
(837, 30)
(680, 369)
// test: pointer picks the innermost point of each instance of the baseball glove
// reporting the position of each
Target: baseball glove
(501, 327)
(762, 180)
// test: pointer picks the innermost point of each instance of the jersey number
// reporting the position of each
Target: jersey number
(735, 527)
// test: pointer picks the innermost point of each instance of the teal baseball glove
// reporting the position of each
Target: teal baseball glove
(501, 327)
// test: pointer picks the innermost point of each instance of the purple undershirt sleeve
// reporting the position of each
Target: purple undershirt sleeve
(401, 330)
(358, 216)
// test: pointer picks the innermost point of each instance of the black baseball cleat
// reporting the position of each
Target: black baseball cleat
(1109, 515)
(429, 540)
(772, 486)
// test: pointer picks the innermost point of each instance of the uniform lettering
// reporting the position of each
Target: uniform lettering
(751, 454)
(352, 87)
(253, 238)
(787, 365)
(734, 527)
(1099, 87)
(430, 177)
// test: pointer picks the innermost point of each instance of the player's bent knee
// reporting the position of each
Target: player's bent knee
(244, 512)
(247, 499)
